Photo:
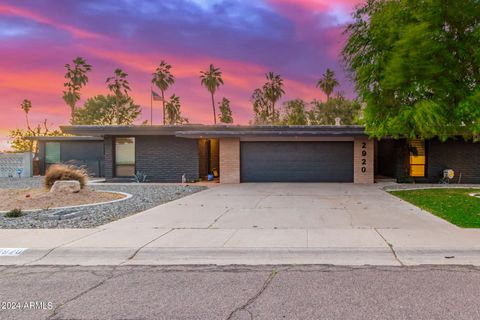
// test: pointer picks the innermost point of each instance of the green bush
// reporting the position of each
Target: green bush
(14, 213)
(58, 172)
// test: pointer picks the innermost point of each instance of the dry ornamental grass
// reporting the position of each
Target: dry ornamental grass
(58, 172)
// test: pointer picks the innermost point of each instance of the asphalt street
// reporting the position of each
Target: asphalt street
(240, 292)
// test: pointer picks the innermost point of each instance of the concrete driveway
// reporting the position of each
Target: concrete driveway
(287, 206)
(269, 223)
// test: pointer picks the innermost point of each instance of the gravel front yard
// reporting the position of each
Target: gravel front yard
(144, 196)
(40, 198)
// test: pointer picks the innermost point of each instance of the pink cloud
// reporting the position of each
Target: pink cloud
(8, 10)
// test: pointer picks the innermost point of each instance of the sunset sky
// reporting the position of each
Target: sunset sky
(298, 39)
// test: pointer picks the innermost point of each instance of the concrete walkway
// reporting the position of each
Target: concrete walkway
(276, 223)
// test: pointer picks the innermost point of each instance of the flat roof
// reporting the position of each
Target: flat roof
(198, 131)
(65, 138)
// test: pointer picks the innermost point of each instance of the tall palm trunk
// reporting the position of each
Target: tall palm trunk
(163, 104)
(273, 112)
(72, 114)
(28, 122)
(214, 112)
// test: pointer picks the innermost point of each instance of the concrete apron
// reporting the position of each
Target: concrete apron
(255, 225)
(242, 246)
(245, 256)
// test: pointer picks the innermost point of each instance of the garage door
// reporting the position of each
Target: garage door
(296, 161)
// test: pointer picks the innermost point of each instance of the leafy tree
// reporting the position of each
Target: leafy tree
(107, 110)
(324, 113)
(416, 64)
(163, 79)
(76, 77)
(273, 91)
(119, 86)
(173, 113)
(212, 79)
(328, 82)
(294, 113)
(225, 111)
(18, 137)
(260, 107)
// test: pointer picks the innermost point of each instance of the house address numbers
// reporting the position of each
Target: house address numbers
(364, 157)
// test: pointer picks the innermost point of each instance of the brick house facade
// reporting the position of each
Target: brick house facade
(279, 153)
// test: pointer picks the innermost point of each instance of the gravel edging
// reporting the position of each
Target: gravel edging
(144, 197)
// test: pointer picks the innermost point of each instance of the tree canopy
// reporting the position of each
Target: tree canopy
(107, 110)
(327, 83)
(172, 111)
(273, 91)
(18, 137)
(225, 115)
(76, 77)
(163, 78)
(324, 113)
(294, 113)
(212, 80)
(416, 64)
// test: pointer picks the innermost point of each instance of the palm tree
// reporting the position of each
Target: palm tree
(76, 77)
(273, 90)
(328, 83)
(119, 86)
(163, 79)
(26, 106)
(212, 79)
(173, 112)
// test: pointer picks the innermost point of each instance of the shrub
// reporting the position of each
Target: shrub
(140, 177)
(58, 172)
(14, 213)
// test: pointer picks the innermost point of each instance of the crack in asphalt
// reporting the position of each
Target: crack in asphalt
(84, 292)
(244, 307)
(391, 248)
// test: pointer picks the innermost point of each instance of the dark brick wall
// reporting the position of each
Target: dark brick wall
(161, 158)
(460, 155)
(167, 158)
(457, 154)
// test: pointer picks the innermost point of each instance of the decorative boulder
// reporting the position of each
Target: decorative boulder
(67, 186)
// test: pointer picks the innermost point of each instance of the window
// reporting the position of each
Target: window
(124, 157)
(52, 152)
(417, 158)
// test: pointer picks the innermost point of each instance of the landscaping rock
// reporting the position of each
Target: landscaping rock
(67, 186)
(144, 196)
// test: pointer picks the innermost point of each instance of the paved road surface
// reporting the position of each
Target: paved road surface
(260, 292)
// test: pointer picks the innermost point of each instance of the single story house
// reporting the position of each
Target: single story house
(259, 153)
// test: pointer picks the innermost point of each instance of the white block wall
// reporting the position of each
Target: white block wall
(10, 162)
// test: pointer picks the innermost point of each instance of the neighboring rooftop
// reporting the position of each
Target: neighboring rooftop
(65, 138)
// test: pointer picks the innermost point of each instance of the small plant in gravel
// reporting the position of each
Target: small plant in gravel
(14, 213)
(140, 177)
(58, 172)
